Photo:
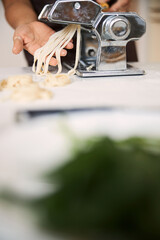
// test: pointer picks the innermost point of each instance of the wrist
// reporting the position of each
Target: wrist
(26, 21)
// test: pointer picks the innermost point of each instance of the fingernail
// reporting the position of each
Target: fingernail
(64, 52)
(53, 62)
(70, 45)
(17, 37)
(14, 50)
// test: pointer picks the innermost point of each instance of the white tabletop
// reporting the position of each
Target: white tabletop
(124, 91)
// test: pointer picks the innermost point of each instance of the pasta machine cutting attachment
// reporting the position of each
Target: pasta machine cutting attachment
(104, 35)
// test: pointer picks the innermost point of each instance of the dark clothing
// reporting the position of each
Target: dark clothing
(39, 4)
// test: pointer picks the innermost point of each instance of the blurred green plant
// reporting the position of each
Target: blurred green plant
(108, 188)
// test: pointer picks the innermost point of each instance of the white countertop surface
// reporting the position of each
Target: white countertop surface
(124, 91)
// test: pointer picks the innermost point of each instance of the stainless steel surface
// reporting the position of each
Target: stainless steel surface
(116, 28)
(104, 35)
(109, 37)
(130, 71)
(79, 12)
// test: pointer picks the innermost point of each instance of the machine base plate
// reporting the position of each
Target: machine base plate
(128, 72)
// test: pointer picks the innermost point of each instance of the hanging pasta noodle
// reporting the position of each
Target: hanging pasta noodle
(53, 47)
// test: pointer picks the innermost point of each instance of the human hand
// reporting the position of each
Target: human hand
(32, 36)
(119, 6)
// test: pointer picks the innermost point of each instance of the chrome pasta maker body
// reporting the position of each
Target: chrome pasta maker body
(104, 35)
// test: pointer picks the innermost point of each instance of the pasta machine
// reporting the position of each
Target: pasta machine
(104, 35)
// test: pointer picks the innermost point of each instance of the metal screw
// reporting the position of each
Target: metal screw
(77, 6)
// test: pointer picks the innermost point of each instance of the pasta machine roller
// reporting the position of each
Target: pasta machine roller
(104, 35)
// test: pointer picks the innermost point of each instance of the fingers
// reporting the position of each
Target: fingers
(17, 45)
(53, 61)
(102, 1)
(120, 6)
(69, 45)
(63, 53)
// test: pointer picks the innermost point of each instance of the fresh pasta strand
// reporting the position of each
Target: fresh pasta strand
(53, 47)
(59, 50)
(72, 71)
(60, 40)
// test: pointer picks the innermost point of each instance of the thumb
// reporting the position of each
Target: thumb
(17, 45)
